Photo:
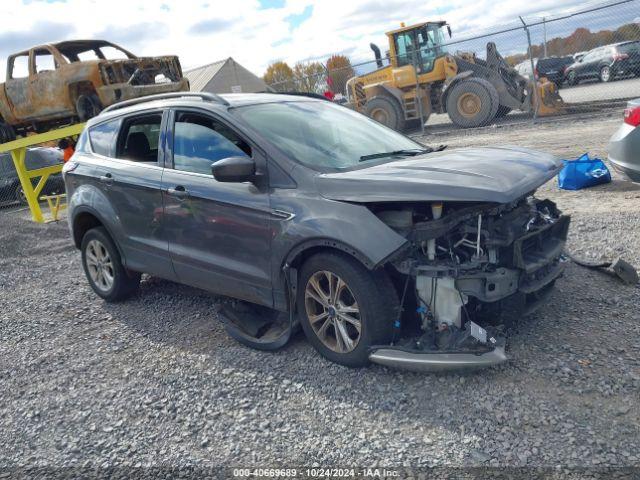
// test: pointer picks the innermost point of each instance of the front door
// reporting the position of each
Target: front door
(219, 236)
(17, 85)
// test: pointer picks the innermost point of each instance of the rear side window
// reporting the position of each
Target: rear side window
(102, 137)
(139, 138)
(200, 141)
(633, 47)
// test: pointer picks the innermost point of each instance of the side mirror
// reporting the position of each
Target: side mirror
(234, 169)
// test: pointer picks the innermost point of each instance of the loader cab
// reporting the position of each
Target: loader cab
(420, 44)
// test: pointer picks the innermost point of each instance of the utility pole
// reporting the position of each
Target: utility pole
(544, 28)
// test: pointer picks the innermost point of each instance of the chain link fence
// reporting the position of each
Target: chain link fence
(591, 54)
(11, 192)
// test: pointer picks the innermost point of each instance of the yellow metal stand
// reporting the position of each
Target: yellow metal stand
(18, 150)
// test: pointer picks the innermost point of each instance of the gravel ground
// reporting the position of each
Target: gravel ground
(155, 381)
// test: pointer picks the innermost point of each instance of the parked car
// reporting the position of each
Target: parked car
(73, 80)
(553, 68)
(578, 55)
(10, 188)
(624, 146)
(606, 63)
(383, 249)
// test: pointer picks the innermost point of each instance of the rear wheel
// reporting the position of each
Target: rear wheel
(572, 78)
(87, 106)
(472, 103)
(386, 111)
(103, 267)
(605, 74)
(7, 134)
(344, 308)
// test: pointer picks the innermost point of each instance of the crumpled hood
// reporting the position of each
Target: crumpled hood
(500, 174)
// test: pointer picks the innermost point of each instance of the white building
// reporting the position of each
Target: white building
(225, 76)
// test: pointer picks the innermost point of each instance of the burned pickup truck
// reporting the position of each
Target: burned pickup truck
(74, 80)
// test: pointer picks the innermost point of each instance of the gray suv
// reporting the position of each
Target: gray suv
(303, 212)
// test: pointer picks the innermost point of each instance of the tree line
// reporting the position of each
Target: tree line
(581, 40)
(313, 77)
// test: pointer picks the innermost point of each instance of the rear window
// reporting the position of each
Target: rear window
(102, 137)
(633, 47)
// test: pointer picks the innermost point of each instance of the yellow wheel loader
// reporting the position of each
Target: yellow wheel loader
(422, 78)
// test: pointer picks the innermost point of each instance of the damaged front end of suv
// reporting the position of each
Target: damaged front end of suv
(471, 269)
(479, 251)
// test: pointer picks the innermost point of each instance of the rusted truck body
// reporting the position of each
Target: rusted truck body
(74, 80)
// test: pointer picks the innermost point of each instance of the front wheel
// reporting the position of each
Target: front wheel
(572, 78)
(87, 106)
(473, 102)
(344, 308)
(103, 267)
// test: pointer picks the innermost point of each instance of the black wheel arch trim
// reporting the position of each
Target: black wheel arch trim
(86, 209)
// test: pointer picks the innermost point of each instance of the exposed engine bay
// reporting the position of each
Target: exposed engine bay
(472, 270)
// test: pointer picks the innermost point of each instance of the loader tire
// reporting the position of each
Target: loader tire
(472, 103)
(386, 111)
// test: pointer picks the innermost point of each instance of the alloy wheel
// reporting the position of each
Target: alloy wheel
(605, 74)
(100, 265)
(333, 311)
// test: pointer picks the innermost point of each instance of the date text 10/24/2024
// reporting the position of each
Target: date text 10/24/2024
(315, 472)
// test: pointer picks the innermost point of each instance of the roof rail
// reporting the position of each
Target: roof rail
(205, 96)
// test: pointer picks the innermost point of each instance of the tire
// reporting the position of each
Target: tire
(606, 75)
(386, 111)
(572, 79)
(473, 102)
(7, 134)
(87, 106)
(372, 292)
(503, 111)
(123, 284)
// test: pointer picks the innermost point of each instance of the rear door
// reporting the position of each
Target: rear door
(219, 233)
(48, 90)
(128, 170)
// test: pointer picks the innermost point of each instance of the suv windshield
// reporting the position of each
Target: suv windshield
(325, 136)
(632, 47)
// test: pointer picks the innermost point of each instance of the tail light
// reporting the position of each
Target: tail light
(620, 56)
(632, 116)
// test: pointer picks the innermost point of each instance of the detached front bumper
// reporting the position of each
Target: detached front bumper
(436, 361)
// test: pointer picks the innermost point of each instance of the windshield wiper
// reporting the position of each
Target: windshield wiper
(405, 153)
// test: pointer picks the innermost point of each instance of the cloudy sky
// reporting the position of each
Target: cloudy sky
(257, 32)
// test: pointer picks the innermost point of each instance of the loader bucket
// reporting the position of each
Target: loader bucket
(548, 101)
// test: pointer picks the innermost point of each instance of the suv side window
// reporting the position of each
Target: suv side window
(139, 138)
(199, 141)
(102, 137)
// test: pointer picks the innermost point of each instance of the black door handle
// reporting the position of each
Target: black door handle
(178, 191)
(107, 178)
